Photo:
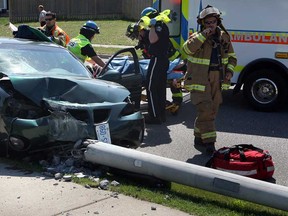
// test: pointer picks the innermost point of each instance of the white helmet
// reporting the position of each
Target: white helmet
(209, 11)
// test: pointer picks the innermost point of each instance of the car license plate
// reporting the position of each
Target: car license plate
(103, 132)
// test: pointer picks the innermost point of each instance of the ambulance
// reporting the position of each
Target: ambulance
(259, 33)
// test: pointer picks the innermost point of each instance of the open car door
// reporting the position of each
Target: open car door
(123, 68)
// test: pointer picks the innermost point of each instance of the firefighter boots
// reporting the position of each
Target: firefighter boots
(209, 148)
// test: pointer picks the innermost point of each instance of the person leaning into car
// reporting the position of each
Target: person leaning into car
(81, 46)
(53, 31)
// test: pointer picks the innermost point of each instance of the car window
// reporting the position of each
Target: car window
(33, 59)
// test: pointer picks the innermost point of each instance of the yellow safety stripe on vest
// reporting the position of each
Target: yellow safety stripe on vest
(225, 86)
(230, 67)
(200, 37)
(195, 87)
(186, 49)
(208, 135)
(179, 95)
(198, 60)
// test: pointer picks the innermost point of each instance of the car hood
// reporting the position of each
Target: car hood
(75, 89)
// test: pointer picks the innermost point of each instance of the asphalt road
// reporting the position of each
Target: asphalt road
(237, 123)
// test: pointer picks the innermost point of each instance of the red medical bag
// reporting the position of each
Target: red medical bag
(243, 159)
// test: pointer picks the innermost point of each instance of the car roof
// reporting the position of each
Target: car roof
(21, 41)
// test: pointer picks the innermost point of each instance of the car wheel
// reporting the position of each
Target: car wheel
(265, 90)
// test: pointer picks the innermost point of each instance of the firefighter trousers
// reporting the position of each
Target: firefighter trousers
(207, 105)
(156, 86)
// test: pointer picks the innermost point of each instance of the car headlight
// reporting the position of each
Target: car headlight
(16, 143)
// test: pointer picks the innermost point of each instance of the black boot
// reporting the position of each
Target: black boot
(210, 148)
(198, 144)
(198, 141)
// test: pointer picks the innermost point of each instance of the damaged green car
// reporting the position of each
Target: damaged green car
(48, 98)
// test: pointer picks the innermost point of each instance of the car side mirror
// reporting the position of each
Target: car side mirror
(111, 75)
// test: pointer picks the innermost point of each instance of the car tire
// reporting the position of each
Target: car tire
(265, 90)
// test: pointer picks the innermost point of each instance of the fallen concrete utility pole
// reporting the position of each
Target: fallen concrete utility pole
(232, 185)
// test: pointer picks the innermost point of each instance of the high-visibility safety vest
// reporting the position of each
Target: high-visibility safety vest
(56, 32)
(76, 44)
(198, 56)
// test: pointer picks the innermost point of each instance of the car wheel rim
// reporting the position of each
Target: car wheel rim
(264, 91)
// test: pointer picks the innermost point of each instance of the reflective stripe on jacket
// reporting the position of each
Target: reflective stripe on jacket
(198, 49)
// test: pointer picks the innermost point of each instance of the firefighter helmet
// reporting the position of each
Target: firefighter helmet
(209, 11)
(91, 26)
(147, 11)
(132, 31)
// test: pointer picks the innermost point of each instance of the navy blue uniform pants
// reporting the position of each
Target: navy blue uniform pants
(156, 86)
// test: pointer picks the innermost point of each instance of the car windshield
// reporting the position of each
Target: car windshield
(36, 59)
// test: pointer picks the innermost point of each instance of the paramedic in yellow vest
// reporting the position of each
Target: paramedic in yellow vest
(210, 66)
(53, 31)
(81, 45)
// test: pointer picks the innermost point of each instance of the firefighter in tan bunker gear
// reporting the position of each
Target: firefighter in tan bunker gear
(210, 66)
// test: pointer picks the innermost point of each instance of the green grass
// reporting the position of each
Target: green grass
(112, 32)
(192, 200)
(184, 198)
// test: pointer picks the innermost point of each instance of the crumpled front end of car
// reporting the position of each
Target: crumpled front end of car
(39, 117)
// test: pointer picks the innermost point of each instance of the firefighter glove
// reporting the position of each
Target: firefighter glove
(228, 74)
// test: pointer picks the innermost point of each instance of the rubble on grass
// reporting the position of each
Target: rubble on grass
(68, 165)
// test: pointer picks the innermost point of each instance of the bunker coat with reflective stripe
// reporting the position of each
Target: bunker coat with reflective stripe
(198, 50)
